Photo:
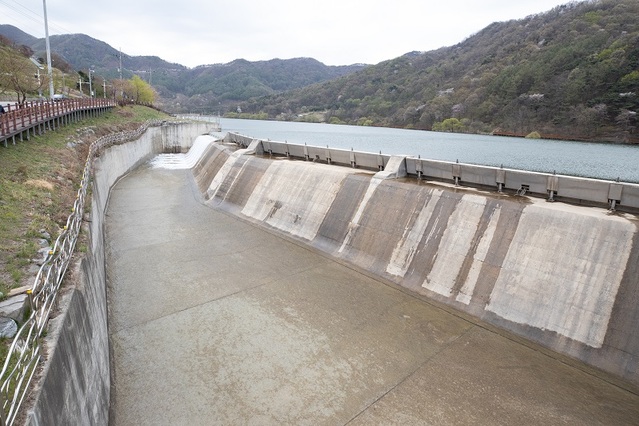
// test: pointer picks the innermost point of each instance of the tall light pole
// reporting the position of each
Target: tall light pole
(120, 69)
(120, 82)
(46, 36)
(90, 84)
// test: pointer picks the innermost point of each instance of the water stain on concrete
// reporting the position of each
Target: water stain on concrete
(214, 320)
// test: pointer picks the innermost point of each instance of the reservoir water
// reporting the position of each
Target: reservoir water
(594, 160)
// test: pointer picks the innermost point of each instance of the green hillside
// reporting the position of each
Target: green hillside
(572, 72)
(205, 89)
(208, 88)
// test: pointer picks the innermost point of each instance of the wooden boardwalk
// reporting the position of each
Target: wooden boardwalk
(20, 122)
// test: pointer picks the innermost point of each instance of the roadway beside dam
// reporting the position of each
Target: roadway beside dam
(560, 275)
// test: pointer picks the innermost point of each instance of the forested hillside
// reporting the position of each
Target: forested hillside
(208, 88)
(205, 89)
(571, 72)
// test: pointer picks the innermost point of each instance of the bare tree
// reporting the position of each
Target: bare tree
(20, 75)
(627, 120)
(122, 90)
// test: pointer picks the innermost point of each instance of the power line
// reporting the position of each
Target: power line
(13, 7)
(33, 16)
(19, 15)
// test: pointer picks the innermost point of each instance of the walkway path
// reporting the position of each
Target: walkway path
(216, 321)
(19, 122)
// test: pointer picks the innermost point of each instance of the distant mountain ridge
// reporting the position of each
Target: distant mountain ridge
(572, 72)
(17, 35)
(205, 88)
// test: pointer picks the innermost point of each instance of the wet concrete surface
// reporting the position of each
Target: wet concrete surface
(216, 321)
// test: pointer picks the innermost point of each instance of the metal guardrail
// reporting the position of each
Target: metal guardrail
(25, 351)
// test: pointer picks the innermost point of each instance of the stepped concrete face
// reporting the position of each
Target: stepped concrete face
(559, 275)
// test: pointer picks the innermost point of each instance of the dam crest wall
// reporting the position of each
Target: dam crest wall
(573, 189)
(563, 276)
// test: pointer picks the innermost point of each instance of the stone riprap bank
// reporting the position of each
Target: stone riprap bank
(561, 275)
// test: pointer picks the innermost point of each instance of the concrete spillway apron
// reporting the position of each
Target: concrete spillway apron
(216, 321)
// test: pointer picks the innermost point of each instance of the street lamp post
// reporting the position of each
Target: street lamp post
(48, 46)
(90, 84)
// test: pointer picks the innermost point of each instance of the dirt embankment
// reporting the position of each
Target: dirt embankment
(39, 182)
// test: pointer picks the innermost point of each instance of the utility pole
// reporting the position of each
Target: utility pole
(39, 82)
(120, 69)
(103, 87)
(48, 46)
(90, 84)
(120, 83)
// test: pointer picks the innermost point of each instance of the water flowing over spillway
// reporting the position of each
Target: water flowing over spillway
(183, 161)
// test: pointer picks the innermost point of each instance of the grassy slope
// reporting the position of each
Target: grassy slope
(38, 185)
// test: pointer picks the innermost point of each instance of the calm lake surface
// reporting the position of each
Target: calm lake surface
(595, 160)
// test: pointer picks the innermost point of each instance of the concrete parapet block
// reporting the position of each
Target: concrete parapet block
(255, 147)
(394, 169)
(614, 192)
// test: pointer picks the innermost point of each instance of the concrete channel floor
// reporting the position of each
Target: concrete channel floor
(216, 321)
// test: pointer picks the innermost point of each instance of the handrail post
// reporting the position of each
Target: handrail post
(3, 416)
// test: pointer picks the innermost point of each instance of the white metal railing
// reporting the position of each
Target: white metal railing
(25, 350)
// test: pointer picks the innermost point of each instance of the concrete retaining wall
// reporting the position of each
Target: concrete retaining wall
(75, 385)
(561, 275)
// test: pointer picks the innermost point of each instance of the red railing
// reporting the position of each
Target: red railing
(20, 118)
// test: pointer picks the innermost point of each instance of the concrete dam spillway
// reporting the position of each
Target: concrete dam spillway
(559, 275)
(259, 289)
(563, 276)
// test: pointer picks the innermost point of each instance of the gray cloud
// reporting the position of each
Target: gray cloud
(336, 32)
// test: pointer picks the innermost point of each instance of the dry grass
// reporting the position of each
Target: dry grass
(38, 185)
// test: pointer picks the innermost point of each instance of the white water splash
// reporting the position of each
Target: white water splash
(183, 161)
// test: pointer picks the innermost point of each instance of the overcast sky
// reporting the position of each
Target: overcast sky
(335, 32)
